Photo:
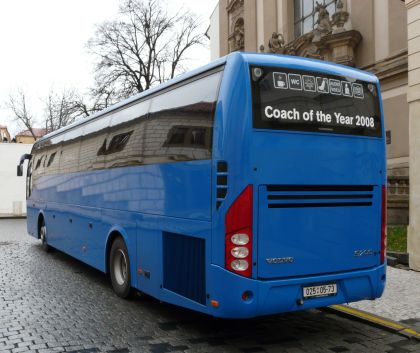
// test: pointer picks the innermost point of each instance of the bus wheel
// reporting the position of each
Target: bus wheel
(119, 267)
(43, 236)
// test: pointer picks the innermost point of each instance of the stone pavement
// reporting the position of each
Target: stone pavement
(53, 303)
(401, 299)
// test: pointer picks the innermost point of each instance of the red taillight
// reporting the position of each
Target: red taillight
(238, 234)
(383, 225)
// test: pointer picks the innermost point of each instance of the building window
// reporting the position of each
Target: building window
(305, 16)
(388, 137)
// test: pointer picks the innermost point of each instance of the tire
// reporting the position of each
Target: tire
(43, 236)
(119, 267)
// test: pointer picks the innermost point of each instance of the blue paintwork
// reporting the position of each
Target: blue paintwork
(142, 202)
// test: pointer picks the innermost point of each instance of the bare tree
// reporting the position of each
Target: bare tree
(144, 46)
(62, 108)
(17, 103)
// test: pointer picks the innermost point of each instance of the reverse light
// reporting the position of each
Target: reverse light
(239, 265)
(240, 239)
(238, 234)
(383, 224)
(240, 252)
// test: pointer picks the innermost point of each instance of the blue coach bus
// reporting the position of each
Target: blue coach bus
(254, 185)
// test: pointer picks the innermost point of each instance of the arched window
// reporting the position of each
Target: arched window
(305, 17)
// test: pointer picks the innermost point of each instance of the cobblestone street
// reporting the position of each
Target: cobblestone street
(53, 303)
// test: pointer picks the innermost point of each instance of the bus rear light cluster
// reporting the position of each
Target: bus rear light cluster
(238, 236)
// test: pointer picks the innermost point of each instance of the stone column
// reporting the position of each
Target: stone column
(413, 98)
(250, 10)
(223, 28)
(270, 20)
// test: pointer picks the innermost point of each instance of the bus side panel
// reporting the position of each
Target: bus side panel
(85, 235)
(149, 252)
(179, 189)
(55, 218)
(230, 144)
(76, 225)
(32, 213)
(156, 276)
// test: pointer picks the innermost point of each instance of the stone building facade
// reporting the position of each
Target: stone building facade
(367, 34)
(4, 134)
(26, 136)
(413, 97)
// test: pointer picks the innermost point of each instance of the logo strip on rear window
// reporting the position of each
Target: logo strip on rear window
(299, 100)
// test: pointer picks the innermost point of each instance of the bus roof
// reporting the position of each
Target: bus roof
(262, 59)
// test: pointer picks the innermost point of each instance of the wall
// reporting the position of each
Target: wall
(25, 139)
(413, 97)
(214, 34)
(397, 32)
(396, 120)
(13, 188)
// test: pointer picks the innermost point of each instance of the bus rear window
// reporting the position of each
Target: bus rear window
(298, 100)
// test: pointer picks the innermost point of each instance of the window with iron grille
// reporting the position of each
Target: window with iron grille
(305, 16)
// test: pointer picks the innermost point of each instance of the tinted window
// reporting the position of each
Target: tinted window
(95, 135)
(180, 124)
(175, 125)
(310, 101)
(117, 144)
(124, 145)
(51, 159)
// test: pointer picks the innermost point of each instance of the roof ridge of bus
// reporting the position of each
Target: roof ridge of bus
(317, 63)
(182, 77)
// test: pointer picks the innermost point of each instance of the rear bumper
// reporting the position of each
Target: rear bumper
(276, 296)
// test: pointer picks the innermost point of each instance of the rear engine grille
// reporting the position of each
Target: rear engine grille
(184, 266)
(296, 196)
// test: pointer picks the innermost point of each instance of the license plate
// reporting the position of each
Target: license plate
(320, 291)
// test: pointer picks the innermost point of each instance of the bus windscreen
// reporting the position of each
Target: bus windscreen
(297, 100)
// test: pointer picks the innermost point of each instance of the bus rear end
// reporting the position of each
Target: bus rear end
(306, 226)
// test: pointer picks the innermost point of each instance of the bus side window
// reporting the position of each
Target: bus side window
(127, 134)
(181, 122)
(70, 149)
(94, 137)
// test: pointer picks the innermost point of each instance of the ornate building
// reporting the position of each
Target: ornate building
(4, 134)
(368, 34)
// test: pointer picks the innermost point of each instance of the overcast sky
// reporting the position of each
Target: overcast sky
(43, 45)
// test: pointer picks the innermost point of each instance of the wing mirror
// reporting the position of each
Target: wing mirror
(20, 170)
(27, 156)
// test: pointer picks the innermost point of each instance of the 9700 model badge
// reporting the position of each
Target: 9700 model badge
(280, 260)
(364, 252)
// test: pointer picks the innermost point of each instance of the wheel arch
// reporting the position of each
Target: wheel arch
(41, 217)
(114, 233)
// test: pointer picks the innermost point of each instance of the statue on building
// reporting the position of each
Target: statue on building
(237, 39)
(323, 24)
(339, 18)
(276, 43)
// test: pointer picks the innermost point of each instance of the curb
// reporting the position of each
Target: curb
(400, 257)
(374, 320)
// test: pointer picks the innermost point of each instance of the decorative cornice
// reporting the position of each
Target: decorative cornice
(409, 4)
(391, 66)
(234, 3)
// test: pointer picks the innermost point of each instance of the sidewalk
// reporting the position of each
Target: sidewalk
(401, 299)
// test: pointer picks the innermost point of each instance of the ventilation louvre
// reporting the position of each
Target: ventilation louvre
(302, 196)
(184, 266)
(222, 182)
